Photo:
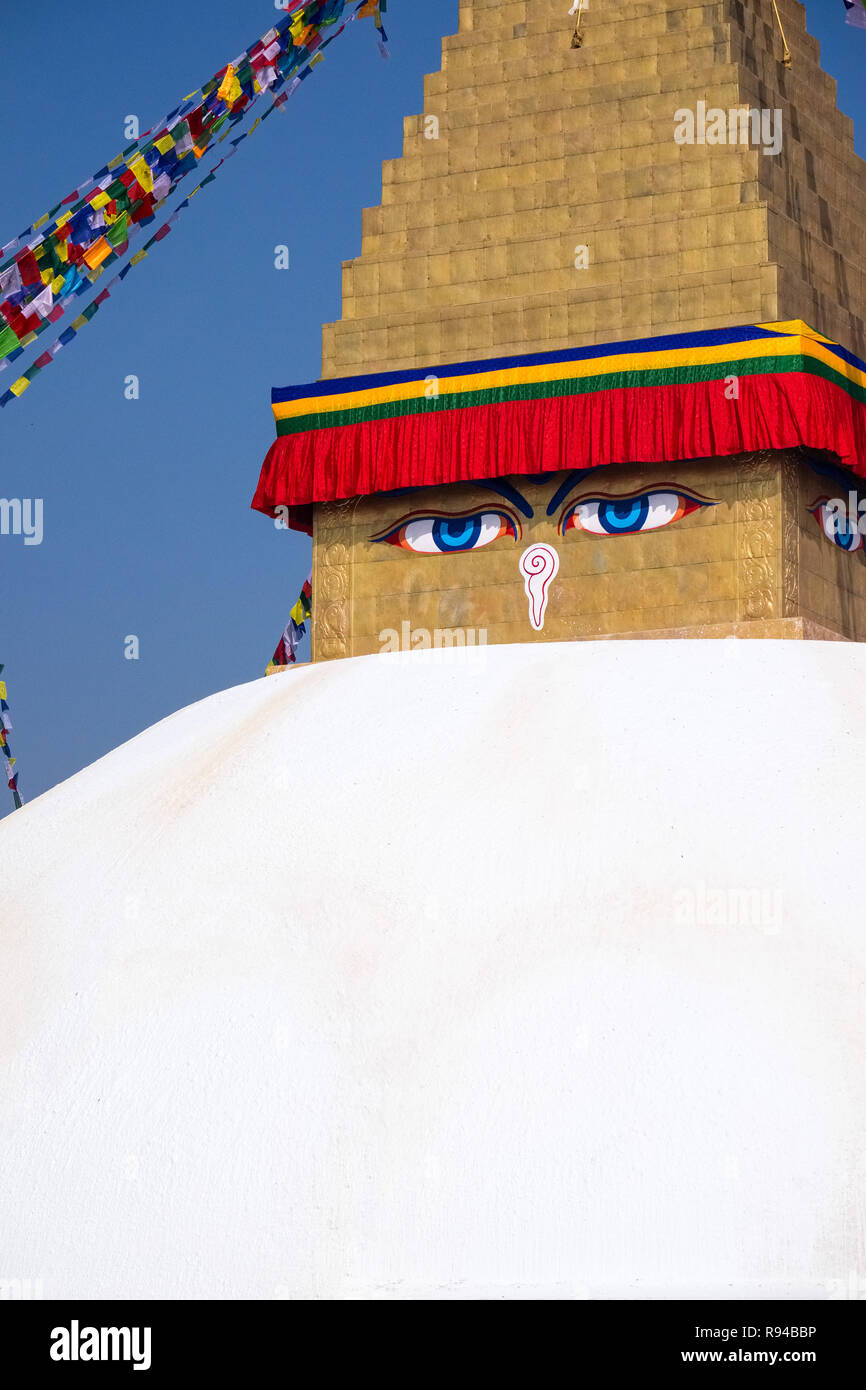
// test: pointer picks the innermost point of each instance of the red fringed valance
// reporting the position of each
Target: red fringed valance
(662, 399)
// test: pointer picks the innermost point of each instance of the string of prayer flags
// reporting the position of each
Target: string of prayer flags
(375, 9)
(9, 767)
(76, 234)
(185, 124)
(114, 243)
(296, 627)
(46, 358)
(18, 387)
(64, 252)
(855, 13)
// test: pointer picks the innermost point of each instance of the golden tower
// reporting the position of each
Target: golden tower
(684, 169)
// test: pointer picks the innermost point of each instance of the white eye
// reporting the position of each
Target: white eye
(627, 515)
(837, 526)
(441, 535)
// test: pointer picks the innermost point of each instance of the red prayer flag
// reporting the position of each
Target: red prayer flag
(194, 120)
(144, 209)
(29, 268)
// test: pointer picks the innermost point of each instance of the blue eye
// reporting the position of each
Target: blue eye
(457, 533)
(837, 525)
(448, 535)
(629, 515)
(626, 516)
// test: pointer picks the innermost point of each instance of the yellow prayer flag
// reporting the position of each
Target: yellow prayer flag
(27, 340)
(57, 284)
(230, 89)
(3, 695)
(139, 256)
(63, 219)
(112, 164)
(40, 223)
(78, 323)
(226, 84)
(62, 251)
(141, 169)
(47, 276)
(165, 145)
(100, 200)
(20, 386)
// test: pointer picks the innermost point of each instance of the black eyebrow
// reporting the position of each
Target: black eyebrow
(509, 493)
(843, 476)
(563, 490)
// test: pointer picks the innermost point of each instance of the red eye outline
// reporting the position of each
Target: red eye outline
(396, 535)
(689, 502)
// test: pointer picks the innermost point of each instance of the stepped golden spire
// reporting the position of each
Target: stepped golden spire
(590, 341)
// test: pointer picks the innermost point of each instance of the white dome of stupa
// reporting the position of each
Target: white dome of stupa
(522, 971)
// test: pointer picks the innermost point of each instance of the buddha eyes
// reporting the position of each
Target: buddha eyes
(837, 525)
(626, 516)
(443, 534)
(448, 535)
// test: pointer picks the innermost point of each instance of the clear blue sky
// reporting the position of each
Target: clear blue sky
(147, 523)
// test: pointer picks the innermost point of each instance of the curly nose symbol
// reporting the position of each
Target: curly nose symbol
(538, 565)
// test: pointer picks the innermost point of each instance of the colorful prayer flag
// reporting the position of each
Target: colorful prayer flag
(295, 629)
(9, 766)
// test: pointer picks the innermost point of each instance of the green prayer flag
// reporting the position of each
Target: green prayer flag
(117, 233)
(9, 340)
